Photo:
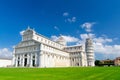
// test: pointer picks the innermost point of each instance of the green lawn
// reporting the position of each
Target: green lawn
(76, 73)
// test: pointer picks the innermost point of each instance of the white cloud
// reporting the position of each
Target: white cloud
(55, 27)
(107, 49)
(54, 38)
(68, 39)
(88, 26)
(102, 40)
(21, 32)
(65, 14)
(5, 53)
(71, 20)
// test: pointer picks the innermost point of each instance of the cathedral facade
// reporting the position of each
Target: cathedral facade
(36, 50)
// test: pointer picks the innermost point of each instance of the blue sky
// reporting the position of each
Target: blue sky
(74, 19)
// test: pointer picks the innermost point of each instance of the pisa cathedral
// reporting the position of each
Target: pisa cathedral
(36, 50)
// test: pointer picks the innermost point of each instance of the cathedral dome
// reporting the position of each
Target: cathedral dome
(61, 40)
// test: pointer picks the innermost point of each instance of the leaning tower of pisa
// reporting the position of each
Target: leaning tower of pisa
(89, 49)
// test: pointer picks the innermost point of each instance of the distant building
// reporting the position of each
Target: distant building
(36, 50)
(117, 61)
(5, 62)
(106, 62)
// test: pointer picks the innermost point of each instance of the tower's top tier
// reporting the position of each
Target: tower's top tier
(89, 41)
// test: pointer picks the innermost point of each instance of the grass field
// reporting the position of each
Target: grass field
(77, 73)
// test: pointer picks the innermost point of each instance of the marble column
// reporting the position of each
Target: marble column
(72, 61)
(22, 60)
(44, 59)
(38, 59)
(16, 61)
(31, 60)
(50, 61)
(80, 64)
(41, 59)
(13, 61)
(28, 60)
(35, 59)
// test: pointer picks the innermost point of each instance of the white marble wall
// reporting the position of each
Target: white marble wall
(47, 53)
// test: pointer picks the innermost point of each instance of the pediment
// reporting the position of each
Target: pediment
(28, 32)
(27, 43)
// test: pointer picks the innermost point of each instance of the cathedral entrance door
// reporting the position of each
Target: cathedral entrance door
(33, 63)
(25, 62)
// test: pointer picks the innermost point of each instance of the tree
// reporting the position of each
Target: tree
(97, 62)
